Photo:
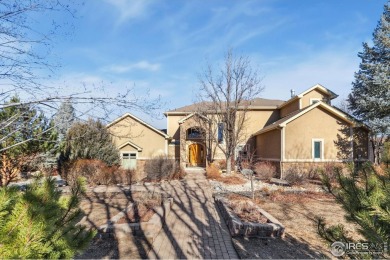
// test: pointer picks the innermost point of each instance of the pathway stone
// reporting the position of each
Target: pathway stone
(194, 228)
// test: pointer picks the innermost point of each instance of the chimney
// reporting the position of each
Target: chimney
(292, 93)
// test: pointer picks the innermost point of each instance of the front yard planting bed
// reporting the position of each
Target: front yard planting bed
(298, 211)
(244, 218)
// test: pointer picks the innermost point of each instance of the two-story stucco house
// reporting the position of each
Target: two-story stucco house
(306, 129)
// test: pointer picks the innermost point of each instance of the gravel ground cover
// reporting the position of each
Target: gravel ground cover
(297, 208)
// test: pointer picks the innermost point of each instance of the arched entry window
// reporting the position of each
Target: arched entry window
(195, 133)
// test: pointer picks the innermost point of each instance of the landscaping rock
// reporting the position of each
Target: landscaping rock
(279, 182)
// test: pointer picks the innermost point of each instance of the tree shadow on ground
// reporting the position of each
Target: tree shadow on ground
(193, 229)
(275, 248)
(99, 208)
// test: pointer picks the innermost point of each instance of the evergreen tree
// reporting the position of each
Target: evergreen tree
(386, 154)
(41, 223)
(64, 118)
(365, 196)
(369, 100)
(90, 140)
(25, 134)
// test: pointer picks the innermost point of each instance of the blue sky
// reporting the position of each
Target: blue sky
(163, 45)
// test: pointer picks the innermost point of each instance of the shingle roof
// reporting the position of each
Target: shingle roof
(256, 102)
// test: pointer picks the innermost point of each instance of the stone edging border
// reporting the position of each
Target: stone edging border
(149, 229)
(237, 227)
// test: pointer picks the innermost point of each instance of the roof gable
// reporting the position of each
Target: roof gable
(139, 149)
(139, 121)
(181, 121)
(284, 121)
(319, 87)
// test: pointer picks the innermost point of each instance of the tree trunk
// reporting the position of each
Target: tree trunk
(228, 164)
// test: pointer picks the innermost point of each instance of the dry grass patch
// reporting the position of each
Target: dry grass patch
(246, 212)
(298, 212)
(213, 173)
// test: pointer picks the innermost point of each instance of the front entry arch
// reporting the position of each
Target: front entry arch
(196, 154)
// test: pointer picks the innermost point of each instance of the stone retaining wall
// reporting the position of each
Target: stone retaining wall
(237, 227)
(148, 229)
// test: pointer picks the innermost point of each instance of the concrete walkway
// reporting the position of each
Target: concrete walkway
(194, 228)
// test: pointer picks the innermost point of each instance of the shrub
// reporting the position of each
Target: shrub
(95, 172)
(212, 171)
(222, 164)
(162, 168)
(126, 176)
(329, 171)
(265, 170)
(294, 176)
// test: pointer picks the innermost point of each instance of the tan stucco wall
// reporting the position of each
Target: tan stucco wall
(257, 119)
(173, 126)
(268, 145)
(315, 93)
(149, 140)
(317, 123)
(293, 106)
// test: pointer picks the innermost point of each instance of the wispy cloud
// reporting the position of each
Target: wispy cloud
(333, 69)
(130, 9)
(141, 65)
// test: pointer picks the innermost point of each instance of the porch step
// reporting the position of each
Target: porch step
(195, 169)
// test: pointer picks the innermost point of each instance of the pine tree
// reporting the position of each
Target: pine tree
(365, 195)
(41, 223)
(25, 136)
(369, 100)
(64, 118)
(90, 140)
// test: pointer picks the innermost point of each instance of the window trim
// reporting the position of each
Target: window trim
(313, 141)
(130, 152)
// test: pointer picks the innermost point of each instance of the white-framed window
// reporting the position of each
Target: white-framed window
(314, 100)
(129, 160)
(318, 149)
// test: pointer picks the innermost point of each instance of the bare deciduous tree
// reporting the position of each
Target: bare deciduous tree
(225, 96)
(26, 63)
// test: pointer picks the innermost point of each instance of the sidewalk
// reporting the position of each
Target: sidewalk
(194, 228)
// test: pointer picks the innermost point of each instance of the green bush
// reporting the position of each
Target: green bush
(41, 223)
(90, 140)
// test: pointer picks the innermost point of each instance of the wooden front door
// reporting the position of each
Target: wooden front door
(196, 154)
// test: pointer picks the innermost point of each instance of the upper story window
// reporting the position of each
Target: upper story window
(194, 133)
(315, 100)
(220, 132)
